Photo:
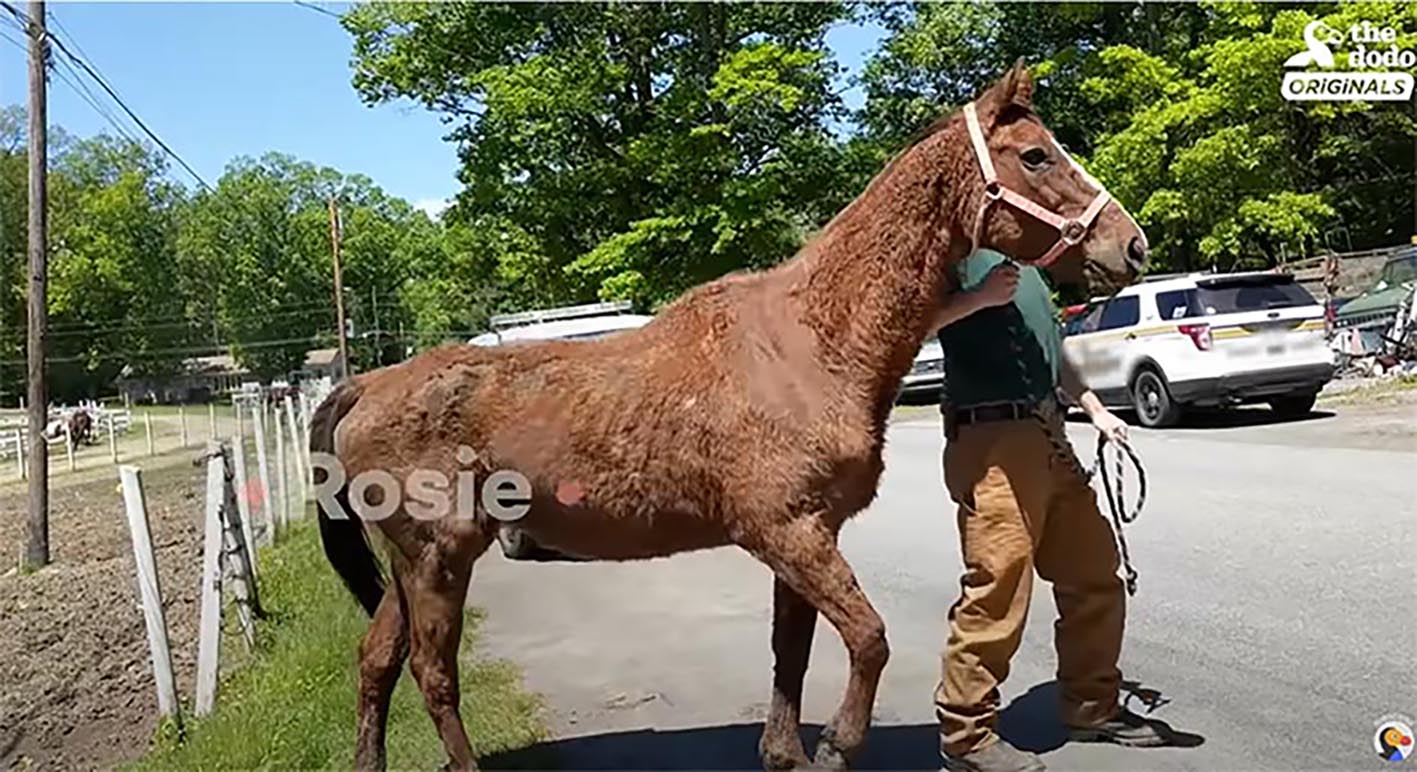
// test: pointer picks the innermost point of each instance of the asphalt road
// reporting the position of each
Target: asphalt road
(1276, 613)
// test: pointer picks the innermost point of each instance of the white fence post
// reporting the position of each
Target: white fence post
(282, 490)
(263, 471)
(243, 502)
(150, 592)
(297, 455)
(209, 630)
(20, 453)
(182, 423)
(148, 425)
(211, 421)
(69, 445)
(238, 560)
(112, 439)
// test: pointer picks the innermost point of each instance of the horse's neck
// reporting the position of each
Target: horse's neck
(875, 276)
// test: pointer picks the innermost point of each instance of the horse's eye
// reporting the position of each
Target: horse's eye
(1034, 157)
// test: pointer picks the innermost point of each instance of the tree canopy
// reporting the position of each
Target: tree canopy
(632, 150)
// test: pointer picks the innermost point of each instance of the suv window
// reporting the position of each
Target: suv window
(1120, 312)
(1251, 293)
(1400, 270)
(1177, 304)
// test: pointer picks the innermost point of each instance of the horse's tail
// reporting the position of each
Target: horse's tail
(346, 544)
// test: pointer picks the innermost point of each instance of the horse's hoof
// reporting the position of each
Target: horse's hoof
(780, 761)
(829, 756)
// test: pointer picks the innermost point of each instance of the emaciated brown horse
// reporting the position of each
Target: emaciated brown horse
(751, 411)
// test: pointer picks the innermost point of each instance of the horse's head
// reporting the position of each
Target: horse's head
(1040, 205)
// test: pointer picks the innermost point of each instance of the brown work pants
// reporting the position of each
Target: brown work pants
(1023, 505)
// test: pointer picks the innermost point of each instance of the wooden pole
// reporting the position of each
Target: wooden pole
(182, 424)
(243, 498)
(36, 552)
(339, 289)
(148, 426)
(282, 491)
(209, 629)
(263, 471)
(112, 438)
(149, 592)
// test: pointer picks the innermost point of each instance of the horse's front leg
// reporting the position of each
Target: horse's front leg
(793, 622)
(804, 555)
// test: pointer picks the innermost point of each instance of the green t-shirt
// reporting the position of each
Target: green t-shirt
(1006, 353)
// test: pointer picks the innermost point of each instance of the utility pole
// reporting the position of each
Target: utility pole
(339, 289)
(37, 540)
(378, 333)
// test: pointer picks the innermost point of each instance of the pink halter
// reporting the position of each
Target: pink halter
(1070, 231)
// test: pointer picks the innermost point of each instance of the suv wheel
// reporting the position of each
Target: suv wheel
(1293, 405)
(1152, 400)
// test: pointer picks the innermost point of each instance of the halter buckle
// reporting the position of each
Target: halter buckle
(993, 190)
(1073, 232)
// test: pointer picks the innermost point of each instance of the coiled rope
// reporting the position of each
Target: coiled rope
(1112, 490)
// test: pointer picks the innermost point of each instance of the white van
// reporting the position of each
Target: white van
(1204, 339)
(569, 323)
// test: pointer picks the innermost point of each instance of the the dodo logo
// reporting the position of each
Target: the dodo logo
(1394, 739)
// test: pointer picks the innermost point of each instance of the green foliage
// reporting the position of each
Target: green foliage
(292, 707)
(1177, 109)
(622, 150)
(630, 151)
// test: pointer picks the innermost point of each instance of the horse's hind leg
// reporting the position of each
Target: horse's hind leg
(803, 553)
(435, 591)
(381, 659)
(793, 622)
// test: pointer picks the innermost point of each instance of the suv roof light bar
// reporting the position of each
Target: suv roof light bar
(553, 314)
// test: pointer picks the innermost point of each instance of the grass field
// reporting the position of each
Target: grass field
(292, 705)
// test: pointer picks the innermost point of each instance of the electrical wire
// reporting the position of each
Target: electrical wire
(93, 73)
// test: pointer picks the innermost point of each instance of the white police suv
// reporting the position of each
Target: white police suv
(1205, 340)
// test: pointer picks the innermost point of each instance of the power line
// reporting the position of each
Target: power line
(93, 73)
(211, 349)
(155, 321)
(319, 9)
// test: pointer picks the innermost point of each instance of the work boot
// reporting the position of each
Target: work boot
(1126, 729)
(998, 756)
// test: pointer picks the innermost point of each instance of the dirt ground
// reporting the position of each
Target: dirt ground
(76, 683)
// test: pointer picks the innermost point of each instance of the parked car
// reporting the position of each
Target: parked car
(927, 374)
(1371, 314)
(1075, 316)
(1206, 340)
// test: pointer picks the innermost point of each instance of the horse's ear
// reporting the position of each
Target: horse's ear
(1015, 88)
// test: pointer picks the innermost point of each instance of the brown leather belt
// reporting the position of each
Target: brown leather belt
(1008, 411)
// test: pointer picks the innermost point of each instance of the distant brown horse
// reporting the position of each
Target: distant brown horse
(751, 411)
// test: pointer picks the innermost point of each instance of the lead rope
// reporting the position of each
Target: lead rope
(1050, 418)
(1116, 501)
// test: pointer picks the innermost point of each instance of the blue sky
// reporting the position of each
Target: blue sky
(222, 80)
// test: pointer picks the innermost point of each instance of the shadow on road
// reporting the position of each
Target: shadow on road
(1222, 418)
(1031, 722)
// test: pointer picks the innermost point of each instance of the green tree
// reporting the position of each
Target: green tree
(256, 259)
(624, 150)
(112, 228)
(1176, 107)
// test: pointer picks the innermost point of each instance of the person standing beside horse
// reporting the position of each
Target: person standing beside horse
(1024, 504)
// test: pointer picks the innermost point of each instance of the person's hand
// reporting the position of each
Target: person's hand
(1112, 427)
(999, 285)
